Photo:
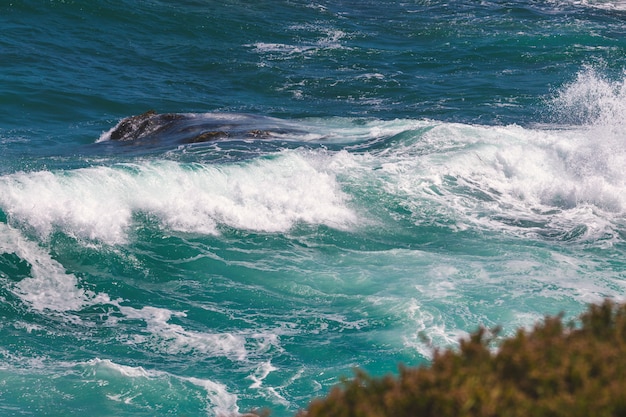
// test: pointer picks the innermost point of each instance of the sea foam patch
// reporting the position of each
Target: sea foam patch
(48, 287)
(544, 182)
(171, 338)
(139, 387)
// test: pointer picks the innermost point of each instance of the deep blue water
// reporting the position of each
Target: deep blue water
(384, 177)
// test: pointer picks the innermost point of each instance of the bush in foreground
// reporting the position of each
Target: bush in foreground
(551, 370)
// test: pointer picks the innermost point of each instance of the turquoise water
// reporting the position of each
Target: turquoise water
(422, 168)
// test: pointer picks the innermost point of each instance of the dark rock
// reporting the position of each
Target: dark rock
(176, 128)
(135, 127)
(208, 136)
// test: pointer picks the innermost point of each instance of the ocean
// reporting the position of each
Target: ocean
(330, 185)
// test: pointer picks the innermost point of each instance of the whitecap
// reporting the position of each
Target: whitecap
(99, 203)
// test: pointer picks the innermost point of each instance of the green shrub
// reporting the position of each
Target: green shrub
(552, 370)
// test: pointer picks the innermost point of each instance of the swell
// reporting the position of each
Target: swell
(546, 182)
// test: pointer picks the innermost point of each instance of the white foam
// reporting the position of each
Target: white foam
(88, 203)
(261, 372)
(175, 339)
(268, 195)
(510, 177)
(12, 360)
(330, 39)
(49, 287)
(224, 403)
(259, 375)
(123, 370)
(603, 4)
(430, 324)
(221, 401)
(265, 47)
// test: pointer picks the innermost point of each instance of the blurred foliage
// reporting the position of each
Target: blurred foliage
(554, 369)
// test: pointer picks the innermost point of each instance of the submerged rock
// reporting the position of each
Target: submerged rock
(152, 127)
(135, 127)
